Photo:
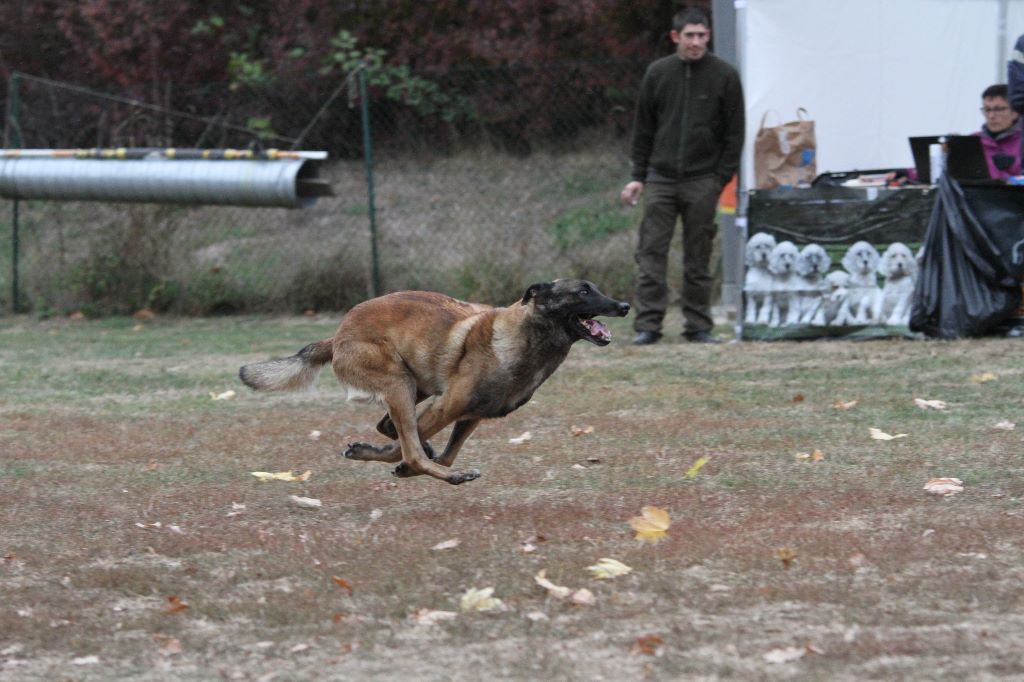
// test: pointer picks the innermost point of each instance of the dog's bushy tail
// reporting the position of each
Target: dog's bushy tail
(294, 373)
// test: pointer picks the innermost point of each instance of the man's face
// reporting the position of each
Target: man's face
(998, 114)
(692, 41)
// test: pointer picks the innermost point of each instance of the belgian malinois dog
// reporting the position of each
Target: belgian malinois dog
(477, 362)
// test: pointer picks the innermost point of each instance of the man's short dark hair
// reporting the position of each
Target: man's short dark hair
(997, 90)
(689, 15)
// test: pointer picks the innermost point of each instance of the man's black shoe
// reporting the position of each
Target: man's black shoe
(646, 338)
(701, 337)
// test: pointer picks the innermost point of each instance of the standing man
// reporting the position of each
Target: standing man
(687, 137)
(1015, 76)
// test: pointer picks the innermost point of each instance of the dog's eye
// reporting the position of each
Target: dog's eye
(584, 291)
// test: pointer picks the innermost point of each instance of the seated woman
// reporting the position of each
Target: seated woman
(1001, 134)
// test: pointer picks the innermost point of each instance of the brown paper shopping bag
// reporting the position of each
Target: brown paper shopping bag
(785, 154)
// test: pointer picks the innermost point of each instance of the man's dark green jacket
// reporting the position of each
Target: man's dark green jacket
(689, 120)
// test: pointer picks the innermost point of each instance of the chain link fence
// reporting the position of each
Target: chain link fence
(514, 179)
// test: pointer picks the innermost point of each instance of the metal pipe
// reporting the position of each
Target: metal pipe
(170, 153)
(289, 184)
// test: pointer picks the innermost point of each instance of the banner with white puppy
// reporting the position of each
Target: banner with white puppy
(832, 262)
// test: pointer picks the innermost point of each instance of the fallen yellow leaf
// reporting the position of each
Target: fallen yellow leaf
(930, 404)
(815, 456)
(581, 430)
(554, 590)
(479, 600)
(226, 395)
(944, 486)
(983, 377)
(878, 434)
(651, 525)
(786, 555)
(840, 405)
(609, 568)
(696, 467)
(281, 476)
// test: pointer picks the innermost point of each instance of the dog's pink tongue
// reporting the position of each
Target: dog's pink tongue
(598, 329)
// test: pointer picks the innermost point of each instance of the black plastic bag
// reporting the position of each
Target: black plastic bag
(964, 287)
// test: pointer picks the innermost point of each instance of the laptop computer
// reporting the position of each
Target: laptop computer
(965, 159)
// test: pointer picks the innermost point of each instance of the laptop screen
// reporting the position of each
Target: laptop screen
(965, 158)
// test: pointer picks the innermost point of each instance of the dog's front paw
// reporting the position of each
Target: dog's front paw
(463, 476)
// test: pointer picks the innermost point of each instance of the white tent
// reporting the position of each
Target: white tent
(872, 73)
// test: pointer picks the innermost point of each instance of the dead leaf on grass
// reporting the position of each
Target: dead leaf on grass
(581, 430)
(479, 600)
(695, 468)
(314, 435)
(342, 583)
(845, 405)
(1005, 426)
(647, 645)
(798, 398)
(878, 434)
(944, 486)
(787, 655)
(86, 660)
(432, 617)
(786, 555)
(520, 439)
(606, 569)
(175, 605)
(282, 476)
(557, 591)
(930, 404)
(651, 525)
(226, 395)
(984, 377)
(305, 502)
(815, 456)
(583, 597)
(447, 544)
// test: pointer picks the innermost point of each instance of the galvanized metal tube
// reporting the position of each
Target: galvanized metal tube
(234, 183)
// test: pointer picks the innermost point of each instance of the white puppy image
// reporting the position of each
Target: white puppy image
(833, 302)
(899, 268)
(785, 284)
(861, 261)
(811, 267)
(757, 283)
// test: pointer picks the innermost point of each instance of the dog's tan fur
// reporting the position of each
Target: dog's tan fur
(476, 361)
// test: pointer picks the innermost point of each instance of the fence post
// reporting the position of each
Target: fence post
(364, 105)
(15, 248)
(12, 140)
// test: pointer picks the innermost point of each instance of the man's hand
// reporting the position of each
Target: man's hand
(631, 192)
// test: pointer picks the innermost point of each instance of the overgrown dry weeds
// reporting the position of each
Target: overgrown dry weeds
(107, 428)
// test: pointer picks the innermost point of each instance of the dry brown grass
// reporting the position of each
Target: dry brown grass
(104, 428)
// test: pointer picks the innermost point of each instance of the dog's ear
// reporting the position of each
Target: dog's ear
(538, 290)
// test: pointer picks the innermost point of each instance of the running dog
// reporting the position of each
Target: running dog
(476, 361)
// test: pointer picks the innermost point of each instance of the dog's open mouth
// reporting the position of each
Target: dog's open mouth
(593, 330)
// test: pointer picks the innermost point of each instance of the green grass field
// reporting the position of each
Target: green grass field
(136, 544)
